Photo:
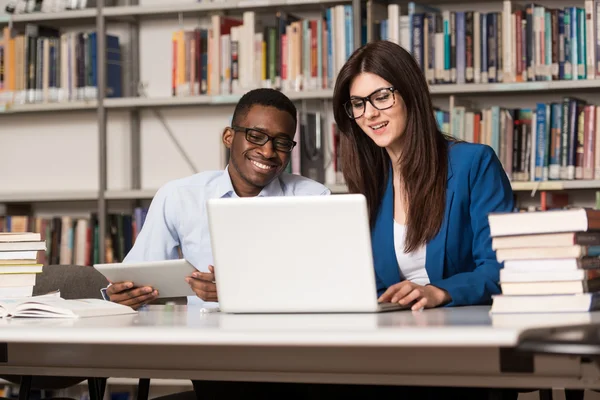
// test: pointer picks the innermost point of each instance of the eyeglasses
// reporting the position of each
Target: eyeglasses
(260, 138)
(381, 99)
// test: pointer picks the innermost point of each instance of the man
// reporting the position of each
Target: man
(260, 141)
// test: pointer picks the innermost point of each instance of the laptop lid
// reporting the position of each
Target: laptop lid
(293, 254)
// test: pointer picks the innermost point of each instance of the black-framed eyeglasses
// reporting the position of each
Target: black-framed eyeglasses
(260, 138)
(381, 99)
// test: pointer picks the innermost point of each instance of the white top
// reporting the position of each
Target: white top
(412, 265)
(186, 325)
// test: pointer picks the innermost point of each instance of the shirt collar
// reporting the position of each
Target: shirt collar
(225, 187)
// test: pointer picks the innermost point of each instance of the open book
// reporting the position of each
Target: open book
(56, 307)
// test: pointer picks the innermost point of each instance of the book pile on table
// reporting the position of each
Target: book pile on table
(551, 260)
(18, 263)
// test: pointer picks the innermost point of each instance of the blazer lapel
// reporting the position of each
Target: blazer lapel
(436, 248)
(382, 239)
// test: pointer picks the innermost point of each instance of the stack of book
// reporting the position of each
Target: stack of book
(551, 260)
(18, 263)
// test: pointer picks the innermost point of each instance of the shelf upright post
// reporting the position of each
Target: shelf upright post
(134, 55)
(102, 137)
(356, 11)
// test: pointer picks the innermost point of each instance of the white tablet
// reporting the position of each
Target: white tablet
(168, 276)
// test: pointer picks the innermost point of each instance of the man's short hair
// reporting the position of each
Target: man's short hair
(264, 97)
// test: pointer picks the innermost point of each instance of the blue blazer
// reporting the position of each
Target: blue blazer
(459, 259)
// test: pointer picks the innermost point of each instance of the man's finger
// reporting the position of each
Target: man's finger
(206, 296)
(130, 294)
(140, 300)
(198, 284)
(204, 276)
(119, 287)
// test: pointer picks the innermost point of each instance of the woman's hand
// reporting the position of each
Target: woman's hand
(407, 292)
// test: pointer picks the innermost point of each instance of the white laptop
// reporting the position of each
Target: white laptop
(293, 254)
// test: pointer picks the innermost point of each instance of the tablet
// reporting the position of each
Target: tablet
(168, 276)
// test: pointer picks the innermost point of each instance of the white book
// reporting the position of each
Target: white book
(18, 255)
(15, 292)
(20, 236)
(590, 26)
(22, 246)
(56, 307)
(16, 280)
(405, 34)
(393, 28)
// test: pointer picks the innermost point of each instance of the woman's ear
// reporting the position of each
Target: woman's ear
(228, 137)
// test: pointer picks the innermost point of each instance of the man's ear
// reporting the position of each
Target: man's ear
(228, 137)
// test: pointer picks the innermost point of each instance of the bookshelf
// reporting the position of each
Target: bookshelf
(550, 87)
(130, 15)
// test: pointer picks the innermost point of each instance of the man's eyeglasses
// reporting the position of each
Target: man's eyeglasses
(381, 99)
(260, 138)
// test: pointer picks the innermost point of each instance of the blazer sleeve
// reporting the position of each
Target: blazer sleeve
(490, 191)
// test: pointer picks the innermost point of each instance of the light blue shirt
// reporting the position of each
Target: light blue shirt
(177, 217)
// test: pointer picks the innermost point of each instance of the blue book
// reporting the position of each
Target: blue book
(460, 48)
(555, 141)
(581, 45)
(574, 42)
(349, 31)
(547, 76)
(561, 40)
(329, 24)
(540, 142)
(568, 65)
(418, 39)
(113, 65)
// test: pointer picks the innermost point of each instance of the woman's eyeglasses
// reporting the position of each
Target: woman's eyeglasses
(260, 138)
(381, 99)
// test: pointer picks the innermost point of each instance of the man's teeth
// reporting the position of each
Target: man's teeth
(379, 126)
(261, 166)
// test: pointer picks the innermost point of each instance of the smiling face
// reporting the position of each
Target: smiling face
(384, 127)
(255, 166)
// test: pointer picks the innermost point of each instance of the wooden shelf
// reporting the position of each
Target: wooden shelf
(35, 197)
(223, 5)
(556, 185)
(141, 194)
(48, 107)
(494, 88)
(86, 15)
(183, 101)
(326, 94)
(148, 194)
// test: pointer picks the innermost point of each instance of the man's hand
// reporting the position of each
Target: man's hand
(406, 292)
(203, 284)
(124, 293)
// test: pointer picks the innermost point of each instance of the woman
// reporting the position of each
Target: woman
(428, 196)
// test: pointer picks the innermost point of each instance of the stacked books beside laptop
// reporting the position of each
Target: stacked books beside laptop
(18, 263)
(551, 260)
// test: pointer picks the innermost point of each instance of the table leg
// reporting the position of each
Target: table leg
(143, 389)
(25, 387)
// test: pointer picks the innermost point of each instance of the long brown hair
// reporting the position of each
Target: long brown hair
(424, 161)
